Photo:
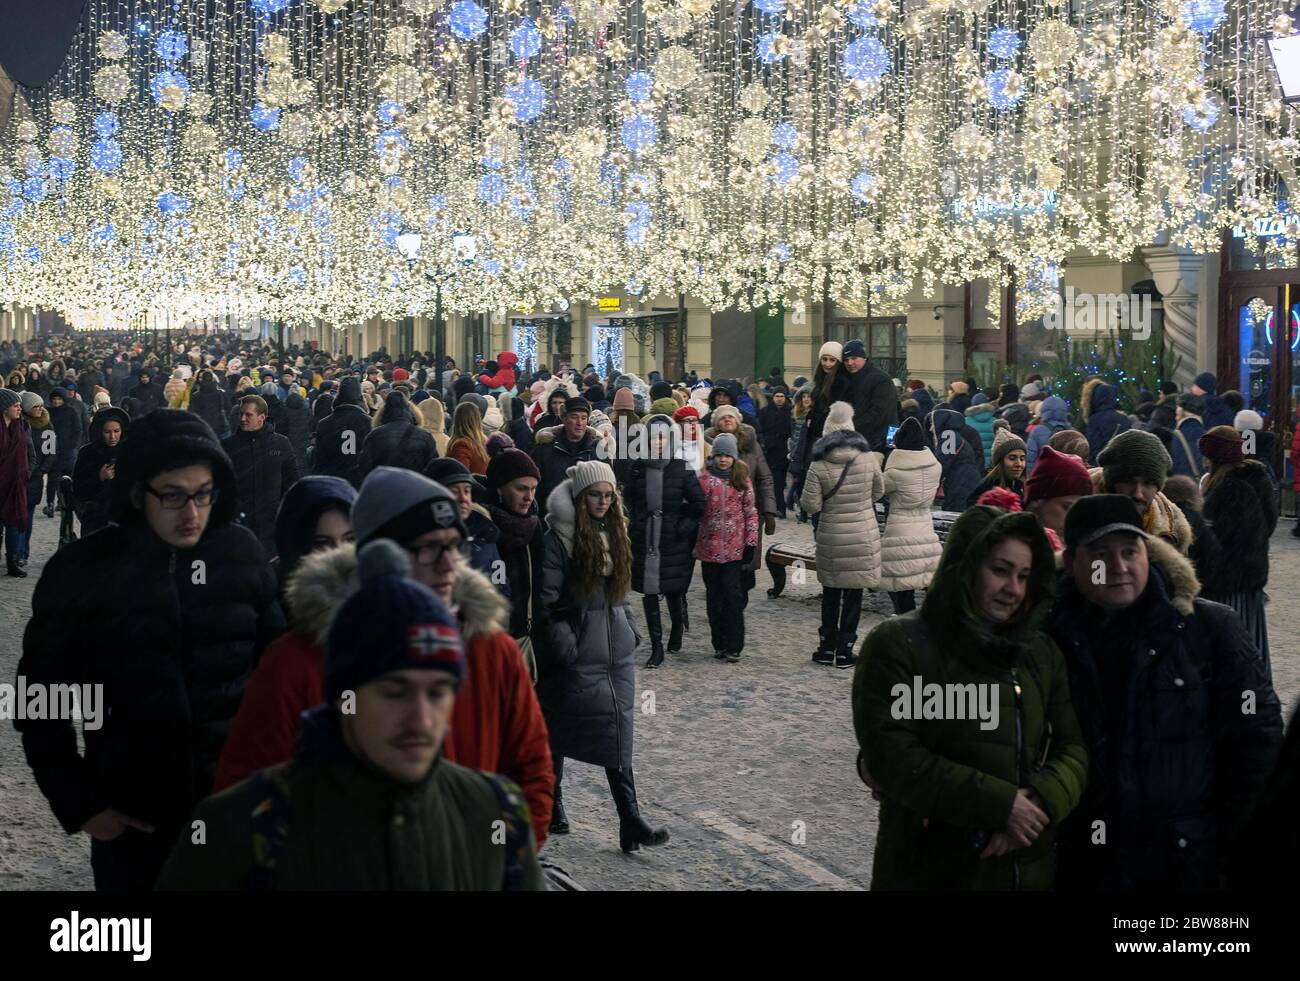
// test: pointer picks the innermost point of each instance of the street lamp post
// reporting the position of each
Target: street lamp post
(464, 247)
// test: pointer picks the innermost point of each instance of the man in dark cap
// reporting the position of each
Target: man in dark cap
(1181, 722)
(555, 452)
(1187, 433)
(872, 395)
(1216, 412)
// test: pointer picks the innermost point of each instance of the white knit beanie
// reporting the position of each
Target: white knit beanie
(840, 419)
(834, 348)
(1247, 419)
(588, 472)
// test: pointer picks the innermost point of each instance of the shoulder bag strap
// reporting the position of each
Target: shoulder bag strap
(1191, 457)
(843, 474)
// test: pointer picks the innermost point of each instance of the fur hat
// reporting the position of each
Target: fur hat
(839, 419)
(959, 388)
(1222, 445)
(1247, 420)
(723, 411)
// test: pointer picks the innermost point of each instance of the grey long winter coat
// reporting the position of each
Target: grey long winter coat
(848, 535)
(587, 683)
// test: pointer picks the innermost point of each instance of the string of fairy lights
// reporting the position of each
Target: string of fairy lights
(263, 157)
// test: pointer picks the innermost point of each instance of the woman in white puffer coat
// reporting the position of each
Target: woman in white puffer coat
(842, 485)
(910, 549)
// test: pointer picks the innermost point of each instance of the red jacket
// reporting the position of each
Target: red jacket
(496, 724)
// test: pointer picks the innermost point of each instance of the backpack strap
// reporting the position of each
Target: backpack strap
(515, 817)
(269, 824)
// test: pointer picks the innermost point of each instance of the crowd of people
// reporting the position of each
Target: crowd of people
(337, 597)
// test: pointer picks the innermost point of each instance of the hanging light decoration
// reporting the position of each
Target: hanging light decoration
(265, 159)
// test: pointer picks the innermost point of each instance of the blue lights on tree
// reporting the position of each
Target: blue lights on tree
(529, 99)
(164, 79)
(264, 119)
(171, 46)
(999, 97)
(467, 19)
(639, 86)
(526, 39)
(639, 133)
(1004, 42)
(865, 59)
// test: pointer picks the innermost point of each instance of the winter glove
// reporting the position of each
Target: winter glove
(769, 524)
(748, 555)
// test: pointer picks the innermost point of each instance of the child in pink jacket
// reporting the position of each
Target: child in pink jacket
(727, 539)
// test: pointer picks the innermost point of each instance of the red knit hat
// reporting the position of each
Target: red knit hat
(686, 412)
(400, 374)
(1222, 444)
(1057, 475)
(1001, 497)
(915, 383)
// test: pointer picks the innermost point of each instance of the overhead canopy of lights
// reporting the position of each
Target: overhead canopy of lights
(267, 158)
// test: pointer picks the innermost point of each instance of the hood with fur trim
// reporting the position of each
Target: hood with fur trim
(323, 580)
(1183, 584)
(562, 513)
(557, 383)
(841, 445)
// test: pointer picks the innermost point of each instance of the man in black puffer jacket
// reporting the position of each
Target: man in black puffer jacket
(265, 469)
(872, 395)
(181, 608)
(341, 435)
(147, 392)
(1181, 722)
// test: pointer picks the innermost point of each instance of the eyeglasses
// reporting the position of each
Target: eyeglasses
(432, 554)
(175, 500)
(600, 495)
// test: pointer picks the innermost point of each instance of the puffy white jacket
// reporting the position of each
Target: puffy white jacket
(848, 535)
(910, 549)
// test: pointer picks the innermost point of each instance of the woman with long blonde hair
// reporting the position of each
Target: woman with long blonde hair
(587, 642)
(468, 444)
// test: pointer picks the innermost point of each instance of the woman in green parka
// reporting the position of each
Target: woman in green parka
(973, 790)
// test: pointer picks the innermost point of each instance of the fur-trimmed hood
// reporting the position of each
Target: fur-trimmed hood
(746, 438)
(549, 434)
(981, 409)
(1180, 575)
(556, 382)
(323, 580)
(562, 514)
(840, 446)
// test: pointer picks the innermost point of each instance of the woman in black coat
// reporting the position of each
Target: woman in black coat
(1241, 507)
(398, 441)
(94, 471)
(296, 424)
(664, 502)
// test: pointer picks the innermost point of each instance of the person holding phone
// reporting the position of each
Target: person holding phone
(96, 468)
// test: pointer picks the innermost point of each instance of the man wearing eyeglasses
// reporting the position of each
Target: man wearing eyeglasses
(177, 609)
(497, 724)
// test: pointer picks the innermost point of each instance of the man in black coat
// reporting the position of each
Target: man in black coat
(69, 434)
(398, 441)
(872, 395)
(295, 425)
(775, 426)
(556, 450)
(265, 469)
(341, 435)
(179, 614)
(96, 468)
(147, 392)
(1181, 721)
(210, 403)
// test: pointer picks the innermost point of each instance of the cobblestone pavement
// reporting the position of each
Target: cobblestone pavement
(749, 765)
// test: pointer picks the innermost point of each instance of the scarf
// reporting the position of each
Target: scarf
(517, 530)
(723, 475)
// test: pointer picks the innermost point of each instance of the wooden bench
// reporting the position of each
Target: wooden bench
(781, 556)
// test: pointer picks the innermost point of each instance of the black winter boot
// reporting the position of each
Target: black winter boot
(14, 569)
(559, 820)
(826, 645)
(633, 831)
(676, 614)
(655, 627)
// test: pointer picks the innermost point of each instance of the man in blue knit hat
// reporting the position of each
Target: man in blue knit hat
(368, 801)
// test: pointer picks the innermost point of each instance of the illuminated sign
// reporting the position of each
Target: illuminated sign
(1271, 226)
(609, 303)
